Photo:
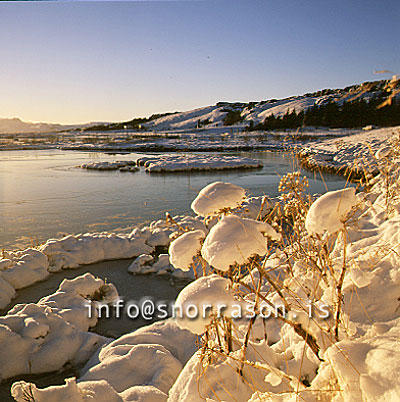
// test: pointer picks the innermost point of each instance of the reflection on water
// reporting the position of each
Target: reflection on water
(43, 195)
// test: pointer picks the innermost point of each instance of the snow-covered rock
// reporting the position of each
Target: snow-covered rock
(123, 166)
(43, 337)
(137, 266)
(70, 301)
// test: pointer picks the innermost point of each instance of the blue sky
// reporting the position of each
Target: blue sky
(110, 61)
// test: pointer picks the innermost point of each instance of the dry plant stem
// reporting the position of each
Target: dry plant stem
(276, 288)
(251, 323)
(263, 202)
(218, 337)
(308, 338)
(170, 219)
(196, 276)
(228, 334)
(339, 288)
(246, 342)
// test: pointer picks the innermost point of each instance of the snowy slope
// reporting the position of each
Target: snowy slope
(214, 115)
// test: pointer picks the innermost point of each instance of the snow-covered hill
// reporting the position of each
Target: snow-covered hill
(214, 116)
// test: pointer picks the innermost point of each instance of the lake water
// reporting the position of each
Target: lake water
(44, 195)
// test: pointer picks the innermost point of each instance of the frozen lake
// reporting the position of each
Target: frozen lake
(43, 194)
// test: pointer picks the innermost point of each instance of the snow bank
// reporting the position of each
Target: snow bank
(355, 151)
(233, 240)
(184, 163)
(73, 251)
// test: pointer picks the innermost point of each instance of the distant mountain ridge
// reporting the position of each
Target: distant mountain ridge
(17, 126)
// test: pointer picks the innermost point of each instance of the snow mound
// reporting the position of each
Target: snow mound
(219, 382)
(217, 196)
(329, 210)
(233, 240)
(157, 367)
(184, 248)
(71, 299)
(184, 163)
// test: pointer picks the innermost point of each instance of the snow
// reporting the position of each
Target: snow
(217, 196)
(183, 249)
(233, 240)
(329, 211)
(185, 163)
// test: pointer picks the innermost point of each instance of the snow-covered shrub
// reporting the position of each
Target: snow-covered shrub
(329, 211)
(197, 302)
(183, 249)
(216, 197)
(233, 240)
